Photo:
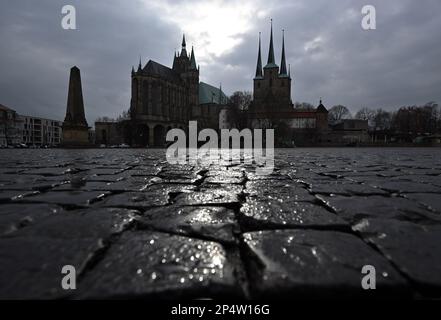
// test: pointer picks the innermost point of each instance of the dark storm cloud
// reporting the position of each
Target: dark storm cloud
(37, 54)
(332, 56)
(329, 53)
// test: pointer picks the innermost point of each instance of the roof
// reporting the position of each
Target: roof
(210, 94)
(270, 65)
(157, 69)
(5, 108)
(321, 108)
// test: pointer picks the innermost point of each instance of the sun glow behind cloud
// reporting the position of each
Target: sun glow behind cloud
(213, 27)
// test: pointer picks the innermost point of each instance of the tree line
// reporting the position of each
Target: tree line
(409, 120)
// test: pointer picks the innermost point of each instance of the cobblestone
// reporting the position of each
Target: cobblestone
(135, 226)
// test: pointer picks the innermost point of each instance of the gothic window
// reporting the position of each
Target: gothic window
(135, 89)
(167, 109)
(145, 96)
(156, 92)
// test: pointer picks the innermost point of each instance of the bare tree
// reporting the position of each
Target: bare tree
(104, 119)
(241, 100)
(237, 105)
(417, 120)
(304, 106)
(365, 114)
(382, 120)
(434, 117)
(338, 113)
(125, 115)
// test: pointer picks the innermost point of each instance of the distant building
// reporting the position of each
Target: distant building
(211, 101)
(108, 133)
(21, 129)
(349, 131)
(10, 127)
(40, 131)
(224, 122)
(92, 136)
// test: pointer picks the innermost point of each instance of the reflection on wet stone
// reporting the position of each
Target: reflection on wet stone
(299, 262)
(284, 212)
(215, 223)
(152, 264)
(135, 226)
(414, 249)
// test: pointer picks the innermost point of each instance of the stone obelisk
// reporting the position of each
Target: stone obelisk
(75, 128)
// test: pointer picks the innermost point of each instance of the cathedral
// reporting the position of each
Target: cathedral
(163, 98)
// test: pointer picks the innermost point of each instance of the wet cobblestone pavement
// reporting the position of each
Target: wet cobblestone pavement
(135, 226)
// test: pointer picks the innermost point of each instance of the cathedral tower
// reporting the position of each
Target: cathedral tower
(187, 68)
(272, 86)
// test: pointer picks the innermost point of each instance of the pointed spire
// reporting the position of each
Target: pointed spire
(271, 60)
(283, 62)
(183, 41)
(174, 60)
(259, 62)
(140, 64)
(133, 70)
(184, 45)
(289, 70)
(192, 60)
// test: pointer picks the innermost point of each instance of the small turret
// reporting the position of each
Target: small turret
(321, 108)
(192, 60)
(139, 65)
(174, 61)
(184, 45)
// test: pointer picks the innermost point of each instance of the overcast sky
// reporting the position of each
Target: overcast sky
(331, 56)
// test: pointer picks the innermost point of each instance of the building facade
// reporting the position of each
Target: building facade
(18, 129)
(349, 131)
(108, 133)
(41, 132)
(208, 110)
(10, 127)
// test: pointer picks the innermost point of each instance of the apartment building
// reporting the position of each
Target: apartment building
(40, 131)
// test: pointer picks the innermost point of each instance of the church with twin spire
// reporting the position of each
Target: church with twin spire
(272, 84)
(272, 104)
